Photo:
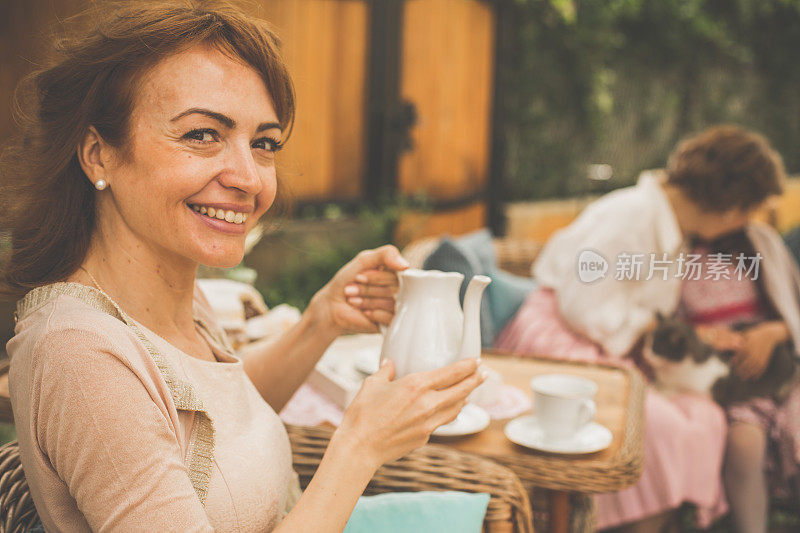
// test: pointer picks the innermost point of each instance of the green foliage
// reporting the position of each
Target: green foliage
(621, 81)
(303, 276)
(297, 258)
(7, 433)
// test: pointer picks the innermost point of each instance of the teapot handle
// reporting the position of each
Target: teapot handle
(383, 328)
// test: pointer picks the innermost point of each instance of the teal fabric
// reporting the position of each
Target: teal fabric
(419, 512)
(507, 292)
(480, 244)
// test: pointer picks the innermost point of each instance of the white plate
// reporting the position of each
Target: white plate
(525, 431)
(471, 419)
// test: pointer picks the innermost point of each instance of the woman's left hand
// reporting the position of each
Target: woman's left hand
(752, 359)
(361, 295)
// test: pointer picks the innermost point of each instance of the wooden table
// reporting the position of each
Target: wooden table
(620, 407)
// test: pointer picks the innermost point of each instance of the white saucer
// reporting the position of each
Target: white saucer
(471, 419)
(525, 431)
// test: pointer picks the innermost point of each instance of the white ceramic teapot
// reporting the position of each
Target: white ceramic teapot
(429, 329)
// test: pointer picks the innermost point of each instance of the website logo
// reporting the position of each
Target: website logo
(591, 266)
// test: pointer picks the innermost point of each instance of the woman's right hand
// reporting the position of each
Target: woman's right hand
(387, 419)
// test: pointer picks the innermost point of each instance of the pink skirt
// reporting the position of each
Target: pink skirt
(684, 434)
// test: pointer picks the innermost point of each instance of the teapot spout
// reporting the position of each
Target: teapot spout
(471, 337)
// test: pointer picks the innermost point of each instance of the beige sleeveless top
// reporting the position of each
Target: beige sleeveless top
(119, 430)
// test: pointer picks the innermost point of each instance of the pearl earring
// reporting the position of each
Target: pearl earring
(100, 184)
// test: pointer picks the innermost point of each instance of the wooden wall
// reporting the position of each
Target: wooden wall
(415, 226)
(447, 72)
(325, 45)
(24, 36)
(446, 57)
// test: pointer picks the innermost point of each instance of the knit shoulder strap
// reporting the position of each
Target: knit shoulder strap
(201, 447)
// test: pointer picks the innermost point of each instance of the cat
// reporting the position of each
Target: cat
(682, 362)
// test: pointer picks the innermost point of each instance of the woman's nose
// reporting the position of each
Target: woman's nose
(243, 172)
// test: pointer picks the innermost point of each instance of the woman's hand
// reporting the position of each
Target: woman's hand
(721, 338)
(387, 419)
(752, 359)
(361, 295)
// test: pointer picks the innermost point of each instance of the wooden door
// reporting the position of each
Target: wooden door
(325, 46)
(447, 73)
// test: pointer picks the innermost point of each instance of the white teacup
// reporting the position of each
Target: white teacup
(564, 404)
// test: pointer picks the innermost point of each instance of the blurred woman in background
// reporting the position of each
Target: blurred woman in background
(714, 185)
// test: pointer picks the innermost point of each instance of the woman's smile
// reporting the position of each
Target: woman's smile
(224, 218)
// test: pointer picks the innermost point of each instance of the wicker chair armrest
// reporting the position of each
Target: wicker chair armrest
(429, 468)
(516, 255)
(432, 467)
(17, 512)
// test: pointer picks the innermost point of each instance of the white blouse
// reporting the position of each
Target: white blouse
(633, 234)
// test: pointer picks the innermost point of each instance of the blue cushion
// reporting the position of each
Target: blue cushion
(506, 294)
(480, 246)
(419, 512)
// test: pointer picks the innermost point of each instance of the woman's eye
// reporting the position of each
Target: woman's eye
(266, 143)
(202, 136)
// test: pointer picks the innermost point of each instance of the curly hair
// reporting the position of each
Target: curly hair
(727, 167)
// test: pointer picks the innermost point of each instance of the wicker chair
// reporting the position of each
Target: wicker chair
(429, 468)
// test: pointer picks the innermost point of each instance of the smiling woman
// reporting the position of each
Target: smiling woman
(105, 67)
(198, 141)
(146, 149)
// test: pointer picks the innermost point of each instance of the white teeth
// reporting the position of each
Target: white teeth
(220, 214)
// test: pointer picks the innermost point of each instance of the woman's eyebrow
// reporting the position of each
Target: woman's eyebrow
(225, 120)
(219, 117)
(268, 126)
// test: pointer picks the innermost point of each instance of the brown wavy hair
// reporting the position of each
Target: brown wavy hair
(726, 167)
(47, 204)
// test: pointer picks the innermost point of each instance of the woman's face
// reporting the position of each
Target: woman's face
(199, 169)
